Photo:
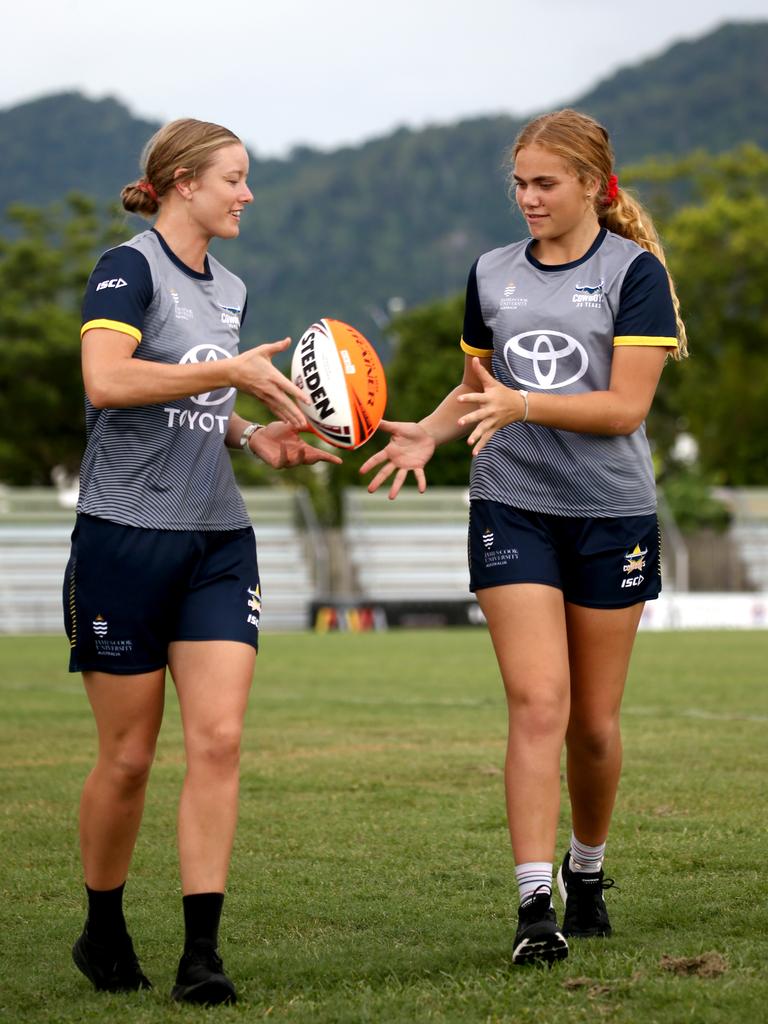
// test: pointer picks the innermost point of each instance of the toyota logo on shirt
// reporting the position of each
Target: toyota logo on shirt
(207, 354)
(545, 359)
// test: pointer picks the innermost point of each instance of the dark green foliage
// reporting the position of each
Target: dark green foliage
(67, 143)
(689, 495)
(43, 273)
(717, 254)
(427, 364)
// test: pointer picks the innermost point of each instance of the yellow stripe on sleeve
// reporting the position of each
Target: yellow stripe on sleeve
(483, 353)
(112, 325)
(645, 342)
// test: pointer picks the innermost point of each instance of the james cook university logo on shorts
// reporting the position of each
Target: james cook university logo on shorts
(545, 359)
(495, 558)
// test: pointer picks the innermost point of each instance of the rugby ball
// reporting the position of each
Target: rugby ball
(342, 374)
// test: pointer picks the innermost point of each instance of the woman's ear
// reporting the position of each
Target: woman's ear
(593, 187)
(183, 185)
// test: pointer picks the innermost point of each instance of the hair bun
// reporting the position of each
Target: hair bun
(136, 199)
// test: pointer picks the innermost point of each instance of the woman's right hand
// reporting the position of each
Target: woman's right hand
(254, 373)
(410, 449)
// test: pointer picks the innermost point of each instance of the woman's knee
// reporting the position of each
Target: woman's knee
(216, 748)
(128, 767)
(538, 712)
(597, 740)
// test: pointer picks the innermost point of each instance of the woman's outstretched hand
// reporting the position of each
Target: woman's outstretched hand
(409, 450)
(281, 447)
(253, 372)
(497, 405)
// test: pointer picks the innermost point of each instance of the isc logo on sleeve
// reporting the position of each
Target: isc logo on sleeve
(115, 282)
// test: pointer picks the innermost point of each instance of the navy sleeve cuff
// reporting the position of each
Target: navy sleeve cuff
(118, 293)
(477, 337)
(645, 305)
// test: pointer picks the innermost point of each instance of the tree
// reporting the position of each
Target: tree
(43, 272)
(427, 364)
(717, 253)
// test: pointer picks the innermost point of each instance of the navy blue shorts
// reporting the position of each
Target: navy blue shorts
(130, 592)
(596, 562)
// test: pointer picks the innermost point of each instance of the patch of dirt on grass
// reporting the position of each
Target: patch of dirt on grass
(708, 965)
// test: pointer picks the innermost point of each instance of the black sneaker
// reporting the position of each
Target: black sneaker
(201, 978)
(110, 968)
(586, 915)
(538, 939)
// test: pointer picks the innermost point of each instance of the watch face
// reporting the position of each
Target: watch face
(247, 433)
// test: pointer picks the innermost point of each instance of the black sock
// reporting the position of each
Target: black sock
(202, 913)
(106, 923)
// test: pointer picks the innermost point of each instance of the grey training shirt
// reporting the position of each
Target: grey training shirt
(554, 329)
(164, 466)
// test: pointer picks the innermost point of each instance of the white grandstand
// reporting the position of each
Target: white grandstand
(412, 550)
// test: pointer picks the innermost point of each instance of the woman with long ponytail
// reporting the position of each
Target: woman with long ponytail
(565, 337)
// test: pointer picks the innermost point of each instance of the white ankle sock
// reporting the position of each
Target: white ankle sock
(532, 875)
(586, 859)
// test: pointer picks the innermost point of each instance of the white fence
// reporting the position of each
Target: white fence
(749, 530)
(35, 528)
(413, 549)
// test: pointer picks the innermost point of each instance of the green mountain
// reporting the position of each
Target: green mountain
(342, 233)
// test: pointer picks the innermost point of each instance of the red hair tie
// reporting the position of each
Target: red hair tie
(612, 190)
(144, 186)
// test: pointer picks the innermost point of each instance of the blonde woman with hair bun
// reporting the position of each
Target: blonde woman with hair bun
(163, 571)
(565, 336)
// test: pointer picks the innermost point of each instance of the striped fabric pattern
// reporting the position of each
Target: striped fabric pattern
(553, 329)
(532, 876)
(165, 466)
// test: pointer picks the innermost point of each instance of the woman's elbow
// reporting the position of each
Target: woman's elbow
(99, 394)
(95, 396)
(627, 422)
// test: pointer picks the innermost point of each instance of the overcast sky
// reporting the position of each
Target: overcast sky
(289, 72)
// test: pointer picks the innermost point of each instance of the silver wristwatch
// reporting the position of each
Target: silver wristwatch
(246, 436)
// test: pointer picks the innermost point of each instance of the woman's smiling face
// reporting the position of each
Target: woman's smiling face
(220, 193)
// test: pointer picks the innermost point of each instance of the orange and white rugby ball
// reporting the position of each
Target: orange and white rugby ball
(342, 374)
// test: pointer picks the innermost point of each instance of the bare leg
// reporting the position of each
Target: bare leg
(128, 712)
(527, 625)
(213, 680)
(600, 644)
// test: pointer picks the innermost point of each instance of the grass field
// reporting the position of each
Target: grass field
(372, 878)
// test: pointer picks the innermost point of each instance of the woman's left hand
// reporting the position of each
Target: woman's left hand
(497, 405)
(280, 446)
